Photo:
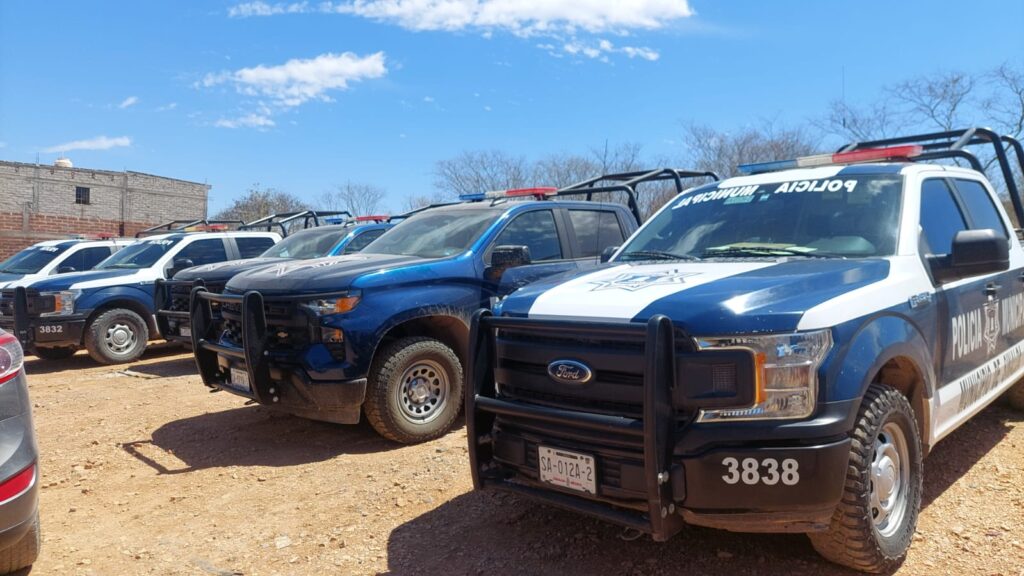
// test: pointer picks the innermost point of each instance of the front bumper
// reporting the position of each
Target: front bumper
(272, 379)
(33, 330)
(172, 315)
(649, 473)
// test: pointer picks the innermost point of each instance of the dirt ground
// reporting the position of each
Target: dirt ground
(145, 472)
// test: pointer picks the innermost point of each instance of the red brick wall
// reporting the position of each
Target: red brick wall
(47, 227)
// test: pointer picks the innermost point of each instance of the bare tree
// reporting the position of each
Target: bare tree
(721, 152)
(357, 198)
(1005, 105)
(423, 200)
(259, 202)
(480, 171)
(941, 101)
(871, 122)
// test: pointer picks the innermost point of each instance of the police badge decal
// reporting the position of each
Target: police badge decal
(991, 334)
(633, 281)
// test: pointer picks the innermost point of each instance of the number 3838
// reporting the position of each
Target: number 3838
(767, 471)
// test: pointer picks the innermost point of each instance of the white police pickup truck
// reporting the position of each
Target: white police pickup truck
(775, 352)
(57, 257)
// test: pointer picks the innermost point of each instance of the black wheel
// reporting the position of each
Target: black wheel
(1014, 397)
(22, 553)
(55, 353)
(116, 336)
(873, 525)
(414, 390)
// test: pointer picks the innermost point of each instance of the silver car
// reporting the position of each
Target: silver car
(19, 461)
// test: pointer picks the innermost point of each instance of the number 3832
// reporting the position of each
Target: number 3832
(767, 471)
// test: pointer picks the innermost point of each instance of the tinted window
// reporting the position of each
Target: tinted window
(93, 256)
(436, 233)
(141, 254)
(535, 230)
(362, 241)
(311, 243)
(204, 252)
(31, 260)
(979, 206)
(253, 247)
(595, 231)
(940, 216)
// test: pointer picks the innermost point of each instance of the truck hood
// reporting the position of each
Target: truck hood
(8, 278)
(331, 274)
(707, 298)
(223, 271)
(95, 279)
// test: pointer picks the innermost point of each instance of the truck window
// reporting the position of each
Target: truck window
(204, 252)
(979, 206)
(253, 247)
(940, 216)
(362, 241)
(595, 231)
(536, 230)
(31, 260)
(86, 258)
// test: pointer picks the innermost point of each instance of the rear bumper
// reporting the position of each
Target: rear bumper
(18, 451)
(649, 474)
(287, 385)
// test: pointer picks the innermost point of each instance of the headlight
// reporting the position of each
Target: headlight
(333, 305)
(63, 302)
(786, 379)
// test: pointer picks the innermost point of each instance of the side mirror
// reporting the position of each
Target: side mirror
(505, 257)
(975, 252)
(65, 269)
(607, 253)
(179, 265)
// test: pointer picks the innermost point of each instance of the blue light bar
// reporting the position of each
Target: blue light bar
(760, 167)
(472, 197)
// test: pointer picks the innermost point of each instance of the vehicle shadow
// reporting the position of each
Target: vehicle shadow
(175, 367)
(81, 360)
(497, 533)
(250, 436)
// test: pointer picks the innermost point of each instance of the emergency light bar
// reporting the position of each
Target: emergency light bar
(853, 157)
(538, 192)
(375, 218)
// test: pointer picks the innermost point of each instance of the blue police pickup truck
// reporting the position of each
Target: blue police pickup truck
(109, 310)
(384, 332)
(51, 257)
(775, 352)
(171, 297)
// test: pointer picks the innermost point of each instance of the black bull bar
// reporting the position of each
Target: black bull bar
(669, 404)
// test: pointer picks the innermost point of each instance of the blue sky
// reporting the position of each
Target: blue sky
(303, 95)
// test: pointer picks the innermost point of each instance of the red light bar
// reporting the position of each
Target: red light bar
(537, 191)
(376, 218)
(869, 154)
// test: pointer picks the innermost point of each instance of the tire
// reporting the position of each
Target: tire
(426, 409)
(61, 353)
(116, 336)
(22, 553)
(1014, 397)
(885, 434)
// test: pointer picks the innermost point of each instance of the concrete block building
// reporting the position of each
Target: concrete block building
(44, 202)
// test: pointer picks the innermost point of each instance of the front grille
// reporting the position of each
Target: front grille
(288, 330)
(181, 293)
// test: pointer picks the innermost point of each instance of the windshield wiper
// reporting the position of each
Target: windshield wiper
(762, 251)
(655, 255)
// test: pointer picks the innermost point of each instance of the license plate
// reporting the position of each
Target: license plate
(185, 331)
(570, 470)
(240, 380)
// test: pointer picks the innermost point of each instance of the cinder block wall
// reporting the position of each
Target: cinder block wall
(37, 202)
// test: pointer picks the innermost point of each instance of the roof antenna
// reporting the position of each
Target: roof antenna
(842, 96)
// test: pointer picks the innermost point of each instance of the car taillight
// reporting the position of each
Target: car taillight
(18, 483)
(11, 357)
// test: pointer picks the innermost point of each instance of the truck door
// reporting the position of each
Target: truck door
(550, 252)
(970, 331)
(592, 231)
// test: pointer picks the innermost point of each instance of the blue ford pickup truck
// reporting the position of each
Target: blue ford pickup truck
(109, 310)
(775, 352)
(384, 332)
(171, 297)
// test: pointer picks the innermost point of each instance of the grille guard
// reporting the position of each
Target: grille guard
(163, 304)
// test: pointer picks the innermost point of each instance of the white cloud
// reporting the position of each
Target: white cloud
(128, 102)
(247, 9)
(97, 143)
(166, 107)
(298, 81)
(602, 48)
(260, 121)
(428, 99)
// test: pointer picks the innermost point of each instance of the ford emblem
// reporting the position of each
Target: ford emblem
(570, 372)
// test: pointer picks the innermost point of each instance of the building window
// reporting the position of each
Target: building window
(81, 195)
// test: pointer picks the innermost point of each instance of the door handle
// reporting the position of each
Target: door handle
(991, 289)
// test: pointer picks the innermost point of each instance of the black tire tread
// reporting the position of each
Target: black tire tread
(24, 552)
(387, 365)
(850, 538)
(93, 336)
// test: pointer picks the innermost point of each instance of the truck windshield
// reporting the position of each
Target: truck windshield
(842, 216)
(31, 260)
(435, 233)
(312, 243)
(142, 254)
